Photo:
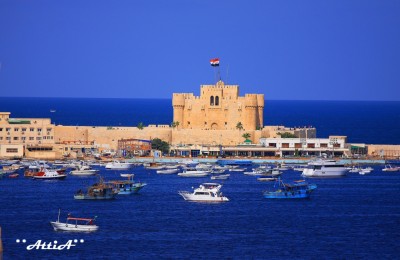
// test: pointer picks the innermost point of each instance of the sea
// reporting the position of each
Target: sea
(354, 217)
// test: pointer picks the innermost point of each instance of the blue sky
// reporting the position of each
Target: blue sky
(288, 50)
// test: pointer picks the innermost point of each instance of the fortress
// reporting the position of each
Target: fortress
(219, 107)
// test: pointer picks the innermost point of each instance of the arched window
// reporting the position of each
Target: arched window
(217, 100)
(211, 100)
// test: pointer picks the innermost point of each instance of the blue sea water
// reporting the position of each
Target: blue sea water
(352, 217)
(368, 122)
(345, 218)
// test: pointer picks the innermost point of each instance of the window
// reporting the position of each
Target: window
(8, 138)
(211, 100)
(15, 138)
(8, 129)
(1, 138)
(217, 100)
(12, 150)
(23, 129)
(31, 138)
(23, 138)
(39, 129)
(38, 138)
(32, 129)
(1, 129)
(285, 145)
(324, 145)
(16, 129)
(48, 129)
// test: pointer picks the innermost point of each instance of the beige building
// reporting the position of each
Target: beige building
(219, 107)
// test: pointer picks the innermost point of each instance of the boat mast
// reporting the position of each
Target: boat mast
(59, 210)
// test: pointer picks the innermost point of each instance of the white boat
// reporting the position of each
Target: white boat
(389, 168)
(45, 174)
(117, 165)
(364, 171)
(324, 168)
(236, 170)
(354, 169)
(75, 224)
(207, 192)
(84, 170)
(263, 172)
(167, 171)
(220, 177)
(127, 175)
(267, 179)
(192, 172)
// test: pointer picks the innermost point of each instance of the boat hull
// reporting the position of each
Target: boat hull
(87, 197)
(61, 177)
(58, 226)
(84, 173)
(324, 173)
(199, 198)
(287, 195)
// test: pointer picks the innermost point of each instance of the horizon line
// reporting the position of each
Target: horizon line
(345, 100)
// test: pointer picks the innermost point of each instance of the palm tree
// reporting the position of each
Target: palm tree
(140, 126)
(239, 126)
(246, 136)
(175, 124)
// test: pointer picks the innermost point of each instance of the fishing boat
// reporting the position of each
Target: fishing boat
(75, 224)
(45, 174)
(155, 166)
(98, 191)
(324, 169)
(84, 170)
(220, 177)
(296, 190)
(206, 192)
(117, 165)
(127, 187)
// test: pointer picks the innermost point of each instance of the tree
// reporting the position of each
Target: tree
(159, 144)
(140, 126)
(239, 126)
(287, 135)
(175, 124)
(246, 136)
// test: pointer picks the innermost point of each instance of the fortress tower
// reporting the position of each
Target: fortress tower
(218, 107)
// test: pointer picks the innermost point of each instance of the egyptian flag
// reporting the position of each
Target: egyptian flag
(214, 62)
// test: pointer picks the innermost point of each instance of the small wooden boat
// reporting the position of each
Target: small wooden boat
(127, 187)
(98, 191)
(14, 175)
(75, 224)
(296, 190)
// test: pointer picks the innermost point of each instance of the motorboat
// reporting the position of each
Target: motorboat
(390, 168)
(365, 171)
(220, 177)
(192, 172)
(263, 172)
(236, 169)
(45, 174)
(117, 165)
(168, 171)
(206, 192)
(75, 224)
(355, 169)
(98, 191)
(296, 190)
(83, 170)
(127, 187)
(324, 168)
